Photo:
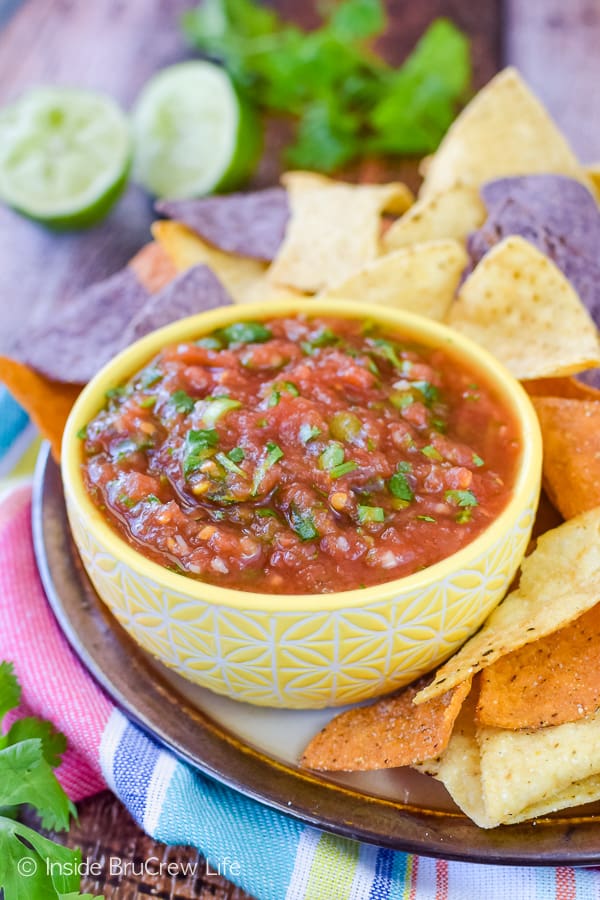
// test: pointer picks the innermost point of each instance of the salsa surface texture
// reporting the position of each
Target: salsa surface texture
(301, 455)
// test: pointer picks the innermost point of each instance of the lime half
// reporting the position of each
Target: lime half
(64, 155)
(193, 133)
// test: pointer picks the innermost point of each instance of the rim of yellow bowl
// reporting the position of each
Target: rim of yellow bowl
(426, 331)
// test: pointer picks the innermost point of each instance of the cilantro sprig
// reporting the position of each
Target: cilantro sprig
(29, 752)
(347, 100)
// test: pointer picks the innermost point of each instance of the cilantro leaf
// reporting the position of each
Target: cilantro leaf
(463, 499)
(10, 690)
(303, 523)
(358, 19)
(54, 743)
(26, 777)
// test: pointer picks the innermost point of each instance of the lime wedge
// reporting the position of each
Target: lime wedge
(64, 155)
(193, 133)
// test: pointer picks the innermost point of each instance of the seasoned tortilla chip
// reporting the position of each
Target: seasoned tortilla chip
(555, 679)
(421, 279)
(47, 402)
(451, 213)
(391, 732)
(504, 130)
(571, 434)
(524, 769)
(560, 580)
(571, 388)
(153, 268)
(334, 229)
(520, 307)
(238, 274)
(250, 224)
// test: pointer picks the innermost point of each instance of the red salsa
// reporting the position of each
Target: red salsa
(301, 455)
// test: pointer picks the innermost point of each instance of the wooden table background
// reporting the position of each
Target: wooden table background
(114, 45)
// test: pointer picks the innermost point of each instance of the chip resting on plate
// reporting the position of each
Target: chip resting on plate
(421, 278)
(251, 224)
(553, 680)
(569, 388)
(571, 434)
(520, 307)
(390, 732)
(504, 130)
(334, 229)
(452, 213)
(238, 274)
(560, 580)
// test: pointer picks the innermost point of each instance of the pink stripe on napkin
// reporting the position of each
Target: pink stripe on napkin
(55, 684)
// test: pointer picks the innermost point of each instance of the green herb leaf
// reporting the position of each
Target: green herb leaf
(228, 464)
(182, 402)
(150, 377)
(358, 20)
(463, 499)
(273, 455)
(368, 514)
(431, 453)
(116, 393)
(303, 523)
(464, 516)
(426, 518)
(477, 460)
(430, 393)
(236, 455)
(199, 444)
(244, 333)
(82, 433)
(400, 488)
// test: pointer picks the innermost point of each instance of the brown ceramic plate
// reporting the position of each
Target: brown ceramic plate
(253, 750)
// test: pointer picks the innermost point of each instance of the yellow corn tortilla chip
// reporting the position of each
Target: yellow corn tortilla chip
(571, 435)
(519, 306)
(560, 580)
(451, 213)
(570, 388)
(421, 279)
(521, 769)
(334, 229)
(238, 274)
(593, 173)
(459, 768)
(391, 732)
(153, 267)
(553, 680)
(504, 130)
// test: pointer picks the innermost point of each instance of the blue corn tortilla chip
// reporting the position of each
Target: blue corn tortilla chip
(558, 216)
(196, 290)
(251, 224)
(88, 330)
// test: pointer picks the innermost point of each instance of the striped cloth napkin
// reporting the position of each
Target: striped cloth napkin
(270, 855)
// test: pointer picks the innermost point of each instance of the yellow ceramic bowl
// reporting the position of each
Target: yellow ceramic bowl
(303, 650)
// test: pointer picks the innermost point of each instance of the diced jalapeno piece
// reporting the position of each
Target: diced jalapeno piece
(345, 425)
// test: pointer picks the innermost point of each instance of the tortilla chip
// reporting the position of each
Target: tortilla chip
(250, 224)
(571, 434)
(79, 337)
(452, 213)
(571, 388)
(551, 681)
(560, 580)
(391, 732)
(459, 767)
(334, 229)
(194, 291)
(520, 307)
(238, 274)
(47, 402)
(421, 279)
(522, 769)
(504, 130)
(153, 268)
(593, 173)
